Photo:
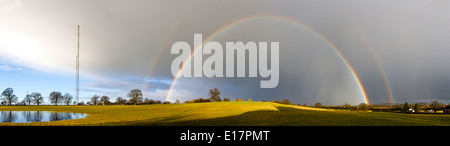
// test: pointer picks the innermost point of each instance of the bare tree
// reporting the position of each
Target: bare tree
(214, 94)
(95, 99)
(37, 98)
(56, 97)
(435, 105)
(121, 101)
(28, 99)
(135, 96)
(104, 100)
(9, 96)
(67, 98)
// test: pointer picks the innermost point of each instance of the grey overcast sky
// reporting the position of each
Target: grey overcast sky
(399, 49)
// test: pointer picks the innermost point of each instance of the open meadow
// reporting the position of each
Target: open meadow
(226, 114)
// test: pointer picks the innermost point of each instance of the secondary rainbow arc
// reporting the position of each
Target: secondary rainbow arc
(380, 67)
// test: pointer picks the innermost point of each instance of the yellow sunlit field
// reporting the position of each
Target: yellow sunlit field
(226, 114)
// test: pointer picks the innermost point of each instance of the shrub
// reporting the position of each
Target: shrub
(318, 105)
(363, 107)
(237, 99)
(286, 101)
(275, 101)
(199, 100)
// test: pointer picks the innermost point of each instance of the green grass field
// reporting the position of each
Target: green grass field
(226, 114)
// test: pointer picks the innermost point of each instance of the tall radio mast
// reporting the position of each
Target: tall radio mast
(78, 67)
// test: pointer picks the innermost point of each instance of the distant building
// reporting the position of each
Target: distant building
(447, 110)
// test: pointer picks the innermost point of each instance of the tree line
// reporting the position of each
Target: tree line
(135, 97)
(431, 107)
(8, 98)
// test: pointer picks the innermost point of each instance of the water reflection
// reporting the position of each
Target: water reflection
(37, 116)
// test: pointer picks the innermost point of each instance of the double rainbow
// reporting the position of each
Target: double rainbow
(278, 18)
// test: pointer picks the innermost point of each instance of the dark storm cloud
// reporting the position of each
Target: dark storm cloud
(120, 41)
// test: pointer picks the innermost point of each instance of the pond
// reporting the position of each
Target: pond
(37, 116)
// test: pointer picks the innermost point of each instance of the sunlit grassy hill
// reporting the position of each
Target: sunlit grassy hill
(225, 114)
